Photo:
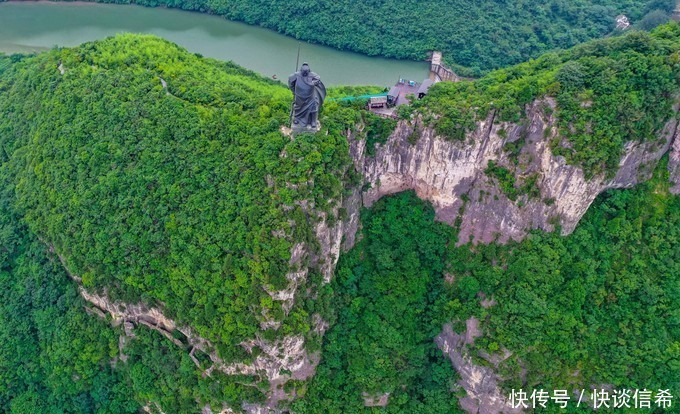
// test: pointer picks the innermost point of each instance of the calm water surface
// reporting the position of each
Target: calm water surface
(35, 26)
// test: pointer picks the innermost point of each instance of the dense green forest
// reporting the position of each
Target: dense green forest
(185, 195)
(169, 196)
(479, 35)
(56, 358)
(606, 92)
(53, 356)
(164, 178)
(597, 307)
(384, 293)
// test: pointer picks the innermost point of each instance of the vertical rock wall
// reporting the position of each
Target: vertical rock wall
(674, 167)
(450, 174)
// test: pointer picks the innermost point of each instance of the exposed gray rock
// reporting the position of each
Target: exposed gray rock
(622, 22)
(380, 400)
(153, 408)
(137, 313)
(472, 330)
(225, 410)
(488, 302)
(674, 166)
(447, 172)
(341, 235)
(285, 354)
(451, 176)
(480, 383)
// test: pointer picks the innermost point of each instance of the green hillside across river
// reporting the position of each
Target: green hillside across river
(37, 26)
(481, 35)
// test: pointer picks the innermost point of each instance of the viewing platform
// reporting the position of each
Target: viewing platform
(438, 70)
(405, 90)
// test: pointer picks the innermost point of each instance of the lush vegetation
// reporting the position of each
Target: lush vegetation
(385, 291)
(596, 307)
(505, 178)
(166, 195)
(378, 129)
(607, 92)
(55, 357)
(507, 182)
(161, 177)
(480, 35)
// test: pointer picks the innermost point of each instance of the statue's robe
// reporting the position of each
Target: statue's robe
(309, 93)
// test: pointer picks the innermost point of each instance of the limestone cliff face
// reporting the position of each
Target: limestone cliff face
(483, 396)
(448, 172)
(287, 354)
(674, 167)
(276, 361)
(451, 175)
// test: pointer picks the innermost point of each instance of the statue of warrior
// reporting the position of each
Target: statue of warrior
(309, 94)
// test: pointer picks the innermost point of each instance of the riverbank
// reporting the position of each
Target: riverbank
(42, 24)
(479, 36)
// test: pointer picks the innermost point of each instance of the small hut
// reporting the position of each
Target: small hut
(378, 102)
(393, 96)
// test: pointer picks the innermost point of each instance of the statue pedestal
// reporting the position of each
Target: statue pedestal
(297, 129)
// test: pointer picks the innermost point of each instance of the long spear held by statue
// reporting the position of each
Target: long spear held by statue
(292, 104)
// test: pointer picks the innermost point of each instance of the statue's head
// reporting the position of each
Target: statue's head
(305, 69)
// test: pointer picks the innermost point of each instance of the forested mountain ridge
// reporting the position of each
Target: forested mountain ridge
(479, 35)
(164, 180)
(594, 310)
(532, 145)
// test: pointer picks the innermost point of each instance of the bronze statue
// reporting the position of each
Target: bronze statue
(309, 94)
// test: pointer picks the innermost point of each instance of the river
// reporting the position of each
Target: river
(36, 26)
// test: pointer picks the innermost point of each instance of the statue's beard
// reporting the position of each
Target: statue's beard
(305, 72)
